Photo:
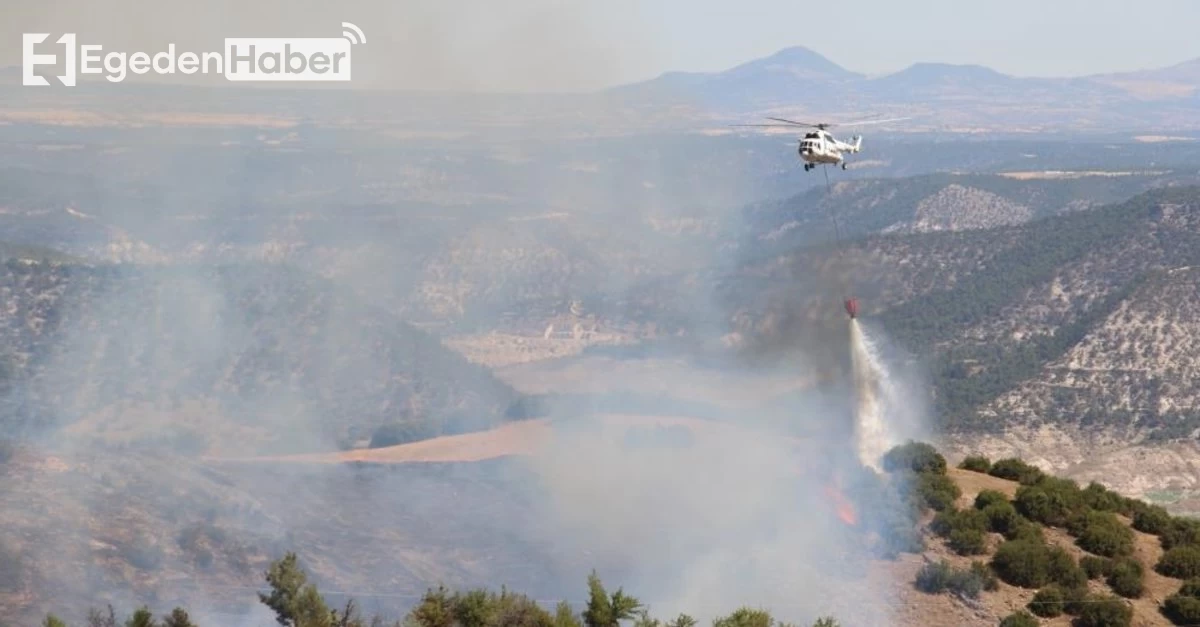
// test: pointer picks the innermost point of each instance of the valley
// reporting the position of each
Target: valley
(488, 339)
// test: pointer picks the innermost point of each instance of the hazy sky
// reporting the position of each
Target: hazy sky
(574, 44)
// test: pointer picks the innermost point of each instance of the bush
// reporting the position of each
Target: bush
(1016, 470)
(1151, 519)
(1003, 518)
(1181, 562)
(1103, 534)
(1026, 530)
(976, 463)
(1180, 532)
(1127, 578)
(938, 492)
(1102, 499)
(1063, 570)
(1019, 619)
(1105, 611)
(1182, 610)
(934, 578)
(942, 577)
(967, 542)
(1095, 567)
(918, 457)
(951, 520)
(1022, 563)
(1048, 602)
(1053, 502)
(986, 498)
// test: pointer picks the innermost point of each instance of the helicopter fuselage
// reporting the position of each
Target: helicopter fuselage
(822, 148)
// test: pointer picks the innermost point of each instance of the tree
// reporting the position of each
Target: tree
(53, 621)
(143, 617)
(745, 617)
(1105, 611)
(826, 621)
(178, 618)
(607, 611)
(296, 602)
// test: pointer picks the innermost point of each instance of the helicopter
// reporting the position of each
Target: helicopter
(820, 147)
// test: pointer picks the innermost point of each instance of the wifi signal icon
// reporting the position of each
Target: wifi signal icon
(353, 33)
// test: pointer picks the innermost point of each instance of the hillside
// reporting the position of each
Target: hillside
(233, 357)
(1039, 545)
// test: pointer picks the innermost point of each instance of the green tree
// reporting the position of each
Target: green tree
(296, 602)
(745, 617)
(178, 618)
(826, 621)
(143, 617)
(53, 621)
(604, 610)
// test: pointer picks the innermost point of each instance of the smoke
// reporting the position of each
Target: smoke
(887, 413)
(142, 373)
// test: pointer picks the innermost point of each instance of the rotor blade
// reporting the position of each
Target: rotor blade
(793, 122)
(865, 122)
(771, 125)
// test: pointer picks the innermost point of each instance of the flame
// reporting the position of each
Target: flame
(845, 509)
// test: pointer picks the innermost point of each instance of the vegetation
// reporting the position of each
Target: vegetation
(298, 603)
(1019, 619)
(966, 583)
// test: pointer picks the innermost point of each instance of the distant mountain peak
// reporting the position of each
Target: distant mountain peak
(797, 60)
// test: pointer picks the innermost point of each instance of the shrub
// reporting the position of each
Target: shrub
(915, 456)
(934, 578)
(967, 542)
(1048, 602)
(941, 577)
(1095, 567)
(1105, 611)
(1019, 619)
(986, 498)
(976, 463)
(1151, 519)
(1182, 610)
(1023, 563)
(951, 520)
(1180, 532)
(1003, 518)
(1190, 588)
(1026, 530)
(1053, 502)
(1101, 533)
(1016, 470)
(1063, 570)
(938, 492)
(1127, 578)
(1100, 498)
(1181, 562)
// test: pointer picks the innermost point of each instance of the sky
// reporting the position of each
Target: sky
(567, 45)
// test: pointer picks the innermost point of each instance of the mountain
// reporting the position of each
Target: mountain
(245, 357)
(970, 96)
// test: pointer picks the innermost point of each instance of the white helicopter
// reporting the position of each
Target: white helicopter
(821, 147)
